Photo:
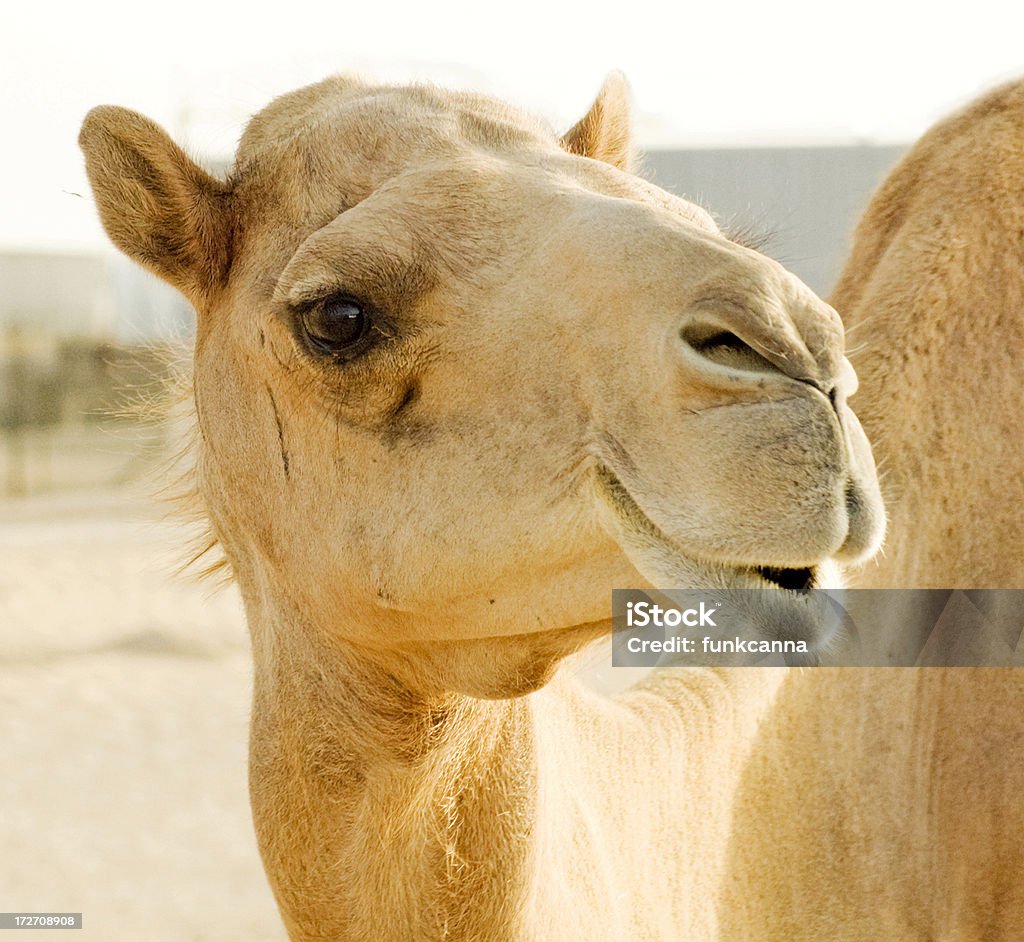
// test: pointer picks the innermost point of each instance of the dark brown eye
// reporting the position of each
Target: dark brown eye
(335, 324)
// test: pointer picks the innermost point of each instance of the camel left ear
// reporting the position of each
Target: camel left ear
(157, 206)
(604, 131)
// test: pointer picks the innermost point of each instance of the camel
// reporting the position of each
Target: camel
(422, 549)
(937, 260)
(911, 780)
(424, 552)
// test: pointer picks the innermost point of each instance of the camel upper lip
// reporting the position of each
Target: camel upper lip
(798, 581)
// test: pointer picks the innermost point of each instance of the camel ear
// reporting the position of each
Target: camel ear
(157, 206)
(604, 131)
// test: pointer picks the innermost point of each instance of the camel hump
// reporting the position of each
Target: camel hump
(932, 297)
(957, 190)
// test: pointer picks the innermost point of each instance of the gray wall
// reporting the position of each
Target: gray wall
(806, 199)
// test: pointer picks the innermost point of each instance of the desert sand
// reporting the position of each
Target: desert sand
(124, 697)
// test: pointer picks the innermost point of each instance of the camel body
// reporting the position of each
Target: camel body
(933, 298)
(887, 803)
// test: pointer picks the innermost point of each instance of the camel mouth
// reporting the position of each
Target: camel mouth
(765, 601)
(796, 581)
(801, 581)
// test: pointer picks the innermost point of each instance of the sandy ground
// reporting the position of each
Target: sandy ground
(124, 696)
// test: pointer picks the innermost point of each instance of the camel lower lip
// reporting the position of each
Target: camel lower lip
(798, 581)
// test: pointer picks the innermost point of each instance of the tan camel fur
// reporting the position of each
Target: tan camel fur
(455, 380)
(933, 296)
(901, 790)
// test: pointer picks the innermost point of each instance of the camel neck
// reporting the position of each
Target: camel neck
(375, 803)
(383, 812)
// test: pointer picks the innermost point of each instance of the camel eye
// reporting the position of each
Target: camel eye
(335, 324)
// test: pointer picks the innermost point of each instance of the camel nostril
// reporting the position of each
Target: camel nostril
(724, 348)
(722, 338)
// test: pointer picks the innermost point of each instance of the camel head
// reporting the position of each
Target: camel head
(456, 378)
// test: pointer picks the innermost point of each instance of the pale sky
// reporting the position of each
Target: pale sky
(709, 73)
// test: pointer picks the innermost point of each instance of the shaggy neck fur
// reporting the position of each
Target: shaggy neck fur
(376, 806)
(386, 813)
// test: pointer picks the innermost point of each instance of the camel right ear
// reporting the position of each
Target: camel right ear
(157, 205)
(603, 133)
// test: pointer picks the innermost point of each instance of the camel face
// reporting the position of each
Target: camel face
(455, 381)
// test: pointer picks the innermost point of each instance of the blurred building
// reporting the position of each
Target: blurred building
(97, 296)
(78, 333)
